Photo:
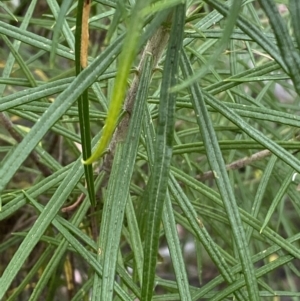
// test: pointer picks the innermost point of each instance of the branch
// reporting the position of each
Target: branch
(155, 46)
(237, 164)
(240, 163)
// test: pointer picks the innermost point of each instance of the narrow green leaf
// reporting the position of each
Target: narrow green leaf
(280, 194)
(66, 30)
(169, 221)
(294, 10)
(4, 6)
(130, 47)
(217, 164)
(83, 108)
(289, 53)
(60, 20)
(163, 152)
(228, 144)
(255, 72)
(118, 186)
(136, 242)
(56, 128)
(261, 190)
(34, 39)
(84, 290)
(119, 13)
(215, 33)
(175, 250)
(108, 3)
(31, 94)
(16, 45)
(20, 61)
(234, 11)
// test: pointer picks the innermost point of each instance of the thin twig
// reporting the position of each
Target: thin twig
(74, 205)
(236, 164)
(241, 162)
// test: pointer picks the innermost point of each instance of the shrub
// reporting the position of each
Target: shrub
(186, 116)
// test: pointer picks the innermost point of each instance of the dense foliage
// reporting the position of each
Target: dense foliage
(149, 150)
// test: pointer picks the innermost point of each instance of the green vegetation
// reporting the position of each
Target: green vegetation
(162, 166)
